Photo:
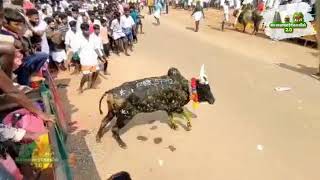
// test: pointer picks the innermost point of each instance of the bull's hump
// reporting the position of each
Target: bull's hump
(142, 85)
(161, 82)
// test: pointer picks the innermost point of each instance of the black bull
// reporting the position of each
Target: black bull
(169, 93)
(249, 14)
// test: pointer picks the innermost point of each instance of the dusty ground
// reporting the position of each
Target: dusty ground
(251, 133)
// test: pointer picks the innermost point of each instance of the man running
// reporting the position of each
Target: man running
(86, 47)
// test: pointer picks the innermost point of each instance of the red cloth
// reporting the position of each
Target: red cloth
(91, 30)
(28, 5)
(261, 7)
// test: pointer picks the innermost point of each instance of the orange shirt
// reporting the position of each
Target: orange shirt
(104, 35)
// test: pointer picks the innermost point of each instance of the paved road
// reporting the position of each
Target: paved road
(251, 133)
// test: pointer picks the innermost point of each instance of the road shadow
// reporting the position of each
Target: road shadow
(145, 118)
(215, 28)
(76, 143)
(190, 28)
(249, 32)
(69, 109)
(100, 79)
(149, 119)
(155, 24)
(260, 34)
(315, 54)
(300, 68)
(301, 42)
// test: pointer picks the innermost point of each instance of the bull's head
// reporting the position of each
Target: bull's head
(203, 88)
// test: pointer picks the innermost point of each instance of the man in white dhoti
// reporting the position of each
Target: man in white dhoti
(226, 4)
(237, 9)
(157, 11)
(197, 15)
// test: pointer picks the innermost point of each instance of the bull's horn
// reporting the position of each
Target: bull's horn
(203, 76)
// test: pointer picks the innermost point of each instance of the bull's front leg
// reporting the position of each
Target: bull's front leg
(187, 116)
(173, 125)
(121, 122)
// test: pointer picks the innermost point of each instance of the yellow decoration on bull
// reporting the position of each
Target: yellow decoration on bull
(195, 105)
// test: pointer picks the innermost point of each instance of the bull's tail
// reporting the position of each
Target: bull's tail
(104, 95)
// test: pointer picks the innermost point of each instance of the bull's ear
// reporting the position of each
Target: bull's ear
(203, 77)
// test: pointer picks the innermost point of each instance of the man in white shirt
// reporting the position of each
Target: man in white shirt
(100, 50)
(48, 9)
(69, 37)
(226, 4)
(120, 8)
(38, 27)
(237, 9)
(75, 12)
(128, 25)
(71, 34)
(118, 35)
(43, 14)
(87, 48)
(64, 4)
(97, 21)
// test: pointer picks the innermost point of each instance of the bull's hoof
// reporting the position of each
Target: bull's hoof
(80, 91)
(189, 126)
(173, 126)
(98, 139)
(123, 145)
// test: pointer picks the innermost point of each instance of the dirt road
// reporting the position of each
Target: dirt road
(251, 133)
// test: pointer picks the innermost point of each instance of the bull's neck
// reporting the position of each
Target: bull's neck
(193, 90)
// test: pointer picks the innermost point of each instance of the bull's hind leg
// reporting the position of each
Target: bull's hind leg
(103, 125)
(244, 27)
(256, 28)
(121, 122)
